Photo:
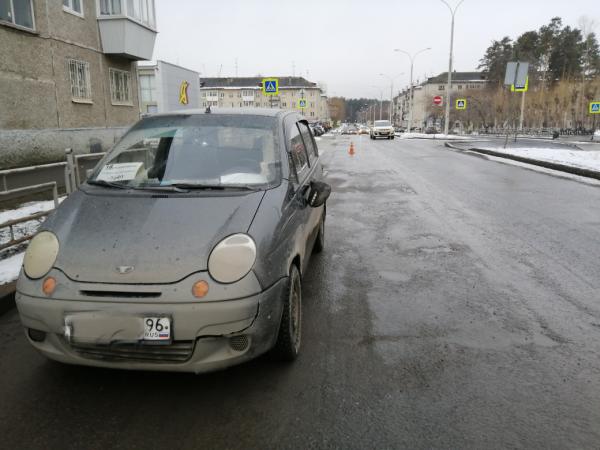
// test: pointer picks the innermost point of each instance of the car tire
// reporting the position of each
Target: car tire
(289, 336)
(320, 240)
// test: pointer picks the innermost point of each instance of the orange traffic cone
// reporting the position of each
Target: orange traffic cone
(351, 150)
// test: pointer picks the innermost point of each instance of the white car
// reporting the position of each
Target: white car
(382, 128)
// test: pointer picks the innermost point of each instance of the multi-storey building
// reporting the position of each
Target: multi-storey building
(167, 87)
(425, 113)
(68, 74)
(247, 92)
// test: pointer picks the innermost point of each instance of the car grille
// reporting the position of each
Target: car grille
(178, 351)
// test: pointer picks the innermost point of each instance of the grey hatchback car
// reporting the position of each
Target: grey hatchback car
(185, 249)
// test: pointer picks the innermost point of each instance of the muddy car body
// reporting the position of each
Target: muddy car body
(184, 251)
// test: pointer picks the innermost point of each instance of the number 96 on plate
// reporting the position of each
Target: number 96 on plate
(157, 329)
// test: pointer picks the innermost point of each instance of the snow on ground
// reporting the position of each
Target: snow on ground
(10, 268)
(447, 137)
(585, 159)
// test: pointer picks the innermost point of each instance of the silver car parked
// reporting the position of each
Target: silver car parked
(184, 250)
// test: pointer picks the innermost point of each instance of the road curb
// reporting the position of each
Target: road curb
(536, 162)
(7, 297)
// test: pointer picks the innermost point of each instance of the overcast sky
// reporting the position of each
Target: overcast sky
(345, 44)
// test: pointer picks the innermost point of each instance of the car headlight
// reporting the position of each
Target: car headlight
(232, 258)
(40, 255)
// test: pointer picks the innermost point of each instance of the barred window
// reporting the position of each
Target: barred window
(120, 87)
(79, 74)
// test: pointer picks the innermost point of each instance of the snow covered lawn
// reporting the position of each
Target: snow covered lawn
(10, 268)
(447, 137)
(584, 159)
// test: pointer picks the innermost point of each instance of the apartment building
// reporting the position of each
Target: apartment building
(246, 92)
(68, 74)
(425, 113)
(167, 87)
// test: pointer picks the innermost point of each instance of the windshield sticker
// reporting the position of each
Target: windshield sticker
(120, 171)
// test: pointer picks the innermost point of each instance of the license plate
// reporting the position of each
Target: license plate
(157, 329)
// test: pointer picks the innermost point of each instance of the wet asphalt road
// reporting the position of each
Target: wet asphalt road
(457, 305)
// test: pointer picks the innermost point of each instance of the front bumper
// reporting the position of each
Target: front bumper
(206, 336)
(383, 133)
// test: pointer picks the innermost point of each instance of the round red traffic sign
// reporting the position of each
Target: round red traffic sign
(437, 100)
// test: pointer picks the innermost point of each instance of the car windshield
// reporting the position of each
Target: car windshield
(194, 150)
(383, 123)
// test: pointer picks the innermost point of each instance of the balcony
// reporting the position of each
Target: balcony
(127, 28)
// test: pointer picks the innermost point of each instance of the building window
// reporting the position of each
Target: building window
(460, 87)
(73, 7)
(147, 89)
(248, 103)
(79, 74)
(248, 93)
(120, 87)
(312, 104)
(284, 104)
(110, 7)
(139, 10)
(17, 12)
(312, 114)
(222, 95)
(441, 87)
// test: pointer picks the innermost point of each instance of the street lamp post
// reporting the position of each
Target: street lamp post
(449, 85)
(412, 97)
(380, 102)
(391, 89)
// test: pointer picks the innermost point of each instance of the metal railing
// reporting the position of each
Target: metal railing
(72, 180)
(15, 193)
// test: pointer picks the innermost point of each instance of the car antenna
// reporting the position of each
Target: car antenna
(207, 110)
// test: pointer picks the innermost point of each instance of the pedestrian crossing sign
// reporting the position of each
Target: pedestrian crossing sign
(302, 103)
(270, 86)
(594, 107)
(461, 103)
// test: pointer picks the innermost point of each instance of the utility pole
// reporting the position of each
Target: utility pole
(449, 85)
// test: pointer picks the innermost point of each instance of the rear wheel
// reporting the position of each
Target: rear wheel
(289, 338)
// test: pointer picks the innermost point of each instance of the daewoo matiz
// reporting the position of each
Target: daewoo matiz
(185, 248)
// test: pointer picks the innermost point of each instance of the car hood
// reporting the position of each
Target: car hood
(162, 239)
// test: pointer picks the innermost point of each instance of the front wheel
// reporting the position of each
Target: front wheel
(287, 346)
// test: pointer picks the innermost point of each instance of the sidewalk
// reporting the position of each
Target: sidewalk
(567, 158)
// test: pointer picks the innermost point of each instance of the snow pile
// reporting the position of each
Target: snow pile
(10, 268)
(583, 159)
(447, 137)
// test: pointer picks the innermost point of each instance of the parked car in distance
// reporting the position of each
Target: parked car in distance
(363, 129)
(382, 129)
(185, 249)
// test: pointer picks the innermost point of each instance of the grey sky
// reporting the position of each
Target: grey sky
(344, 44)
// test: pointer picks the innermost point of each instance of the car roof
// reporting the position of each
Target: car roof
(269, 112)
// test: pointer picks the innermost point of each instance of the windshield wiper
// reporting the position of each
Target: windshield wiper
(109, 184)
(167, 188)
(162, 188)
(216, 187)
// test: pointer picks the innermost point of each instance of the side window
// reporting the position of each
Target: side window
(298, 152)
(311, 147)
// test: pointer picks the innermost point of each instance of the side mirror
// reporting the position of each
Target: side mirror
(318, 194)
